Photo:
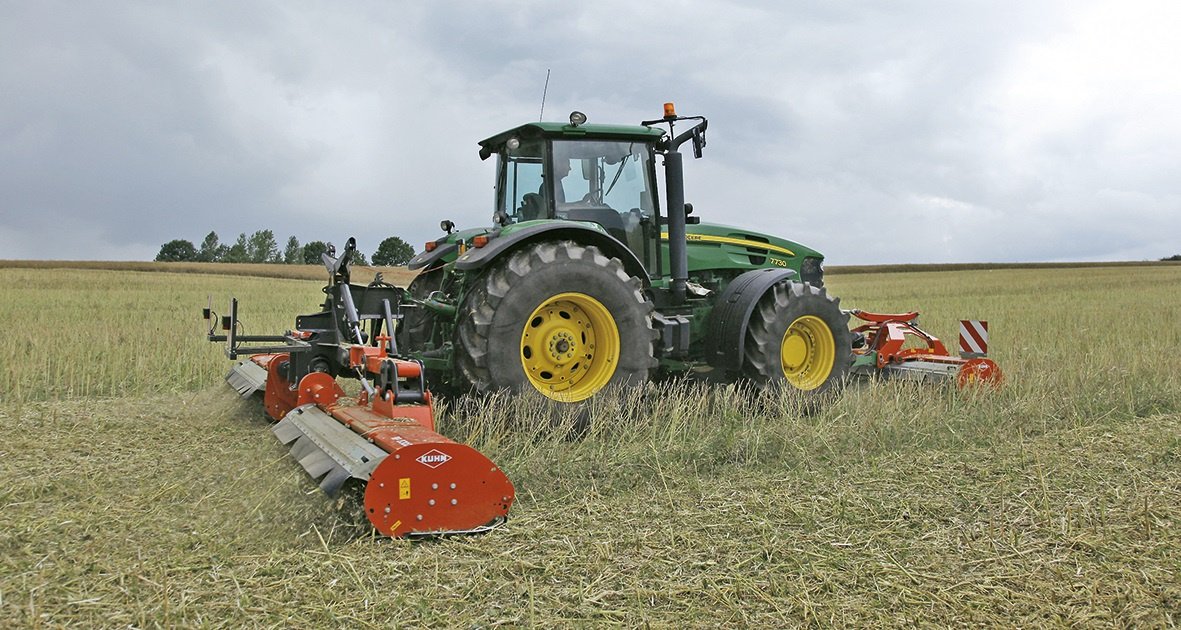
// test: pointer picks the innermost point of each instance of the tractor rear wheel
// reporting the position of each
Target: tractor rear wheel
(416, 323)
(557, 317)
(798, 337)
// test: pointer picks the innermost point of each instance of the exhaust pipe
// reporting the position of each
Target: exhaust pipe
(674, 186)
(678, 250)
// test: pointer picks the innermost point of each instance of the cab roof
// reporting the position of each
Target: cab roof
(635, 133)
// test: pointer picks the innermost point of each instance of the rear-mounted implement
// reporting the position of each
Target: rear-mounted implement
(895, 346)
(416, 481)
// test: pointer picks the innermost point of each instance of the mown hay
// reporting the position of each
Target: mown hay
(1055, 501)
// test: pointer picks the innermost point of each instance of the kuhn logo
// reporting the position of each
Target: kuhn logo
(433, 458)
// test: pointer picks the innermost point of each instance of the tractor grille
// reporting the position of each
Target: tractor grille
(812, 271)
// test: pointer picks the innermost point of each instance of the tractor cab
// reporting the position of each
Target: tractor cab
(601, 174)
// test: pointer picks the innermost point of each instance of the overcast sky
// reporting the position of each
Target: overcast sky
(875, 132)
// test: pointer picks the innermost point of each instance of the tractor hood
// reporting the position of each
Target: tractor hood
(715, 246)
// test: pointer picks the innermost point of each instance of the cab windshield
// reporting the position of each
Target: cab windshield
(608, 182)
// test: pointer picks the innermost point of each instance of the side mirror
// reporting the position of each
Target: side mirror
(698, 142)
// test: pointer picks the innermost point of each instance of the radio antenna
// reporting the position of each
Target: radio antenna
(545, 89)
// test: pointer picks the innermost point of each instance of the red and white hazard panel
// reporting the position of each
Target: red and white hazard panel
(973, 338)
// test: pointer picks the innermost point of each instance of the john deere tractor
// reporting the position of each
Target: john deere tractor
(586, 280)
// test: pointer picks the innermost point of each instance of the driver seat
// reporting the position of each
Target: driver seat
(532, 207)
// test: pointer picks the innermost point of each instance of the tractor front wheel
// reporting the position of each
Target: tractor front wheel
(557, 317)
(797, 336)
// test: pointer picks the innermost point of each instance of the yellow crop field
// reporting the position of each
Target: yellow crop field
(139, 490)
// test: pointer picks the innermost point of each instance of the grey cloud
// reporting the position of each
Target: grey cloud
(854, 127)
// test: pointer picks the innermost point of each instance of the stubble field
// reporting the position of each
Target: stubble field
(138, 490)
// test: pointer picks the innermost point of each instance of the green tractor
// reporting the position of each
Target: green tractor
(586, 280)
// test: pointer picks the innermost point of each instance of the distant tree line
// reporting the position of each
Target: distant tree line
(1173, 258)
(261, 247)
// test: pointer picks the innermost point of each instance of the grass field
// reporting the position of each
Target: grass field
(139, 491)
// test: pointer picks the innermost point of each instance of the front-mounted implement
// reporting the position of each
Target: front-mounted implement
(893, 345)
(416, 481)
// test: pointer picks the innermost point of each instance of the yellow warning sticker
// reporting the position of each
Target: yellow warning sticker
(404, 488)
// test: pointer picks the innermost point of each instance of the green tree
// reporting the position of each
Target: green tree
(293, 253)
(262, 247)
(178, 250)
(393, 252)
(312, 251)
(239, 252)
(211, 250)
(359, 258)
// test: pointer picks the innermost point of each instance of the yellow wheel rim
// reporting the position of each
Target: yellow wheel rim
(807, 352)
(570, 347)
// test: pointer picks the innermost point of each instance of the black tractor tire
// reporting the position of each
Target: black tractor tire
(567, 314)
(415, 327)
(814, 359)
